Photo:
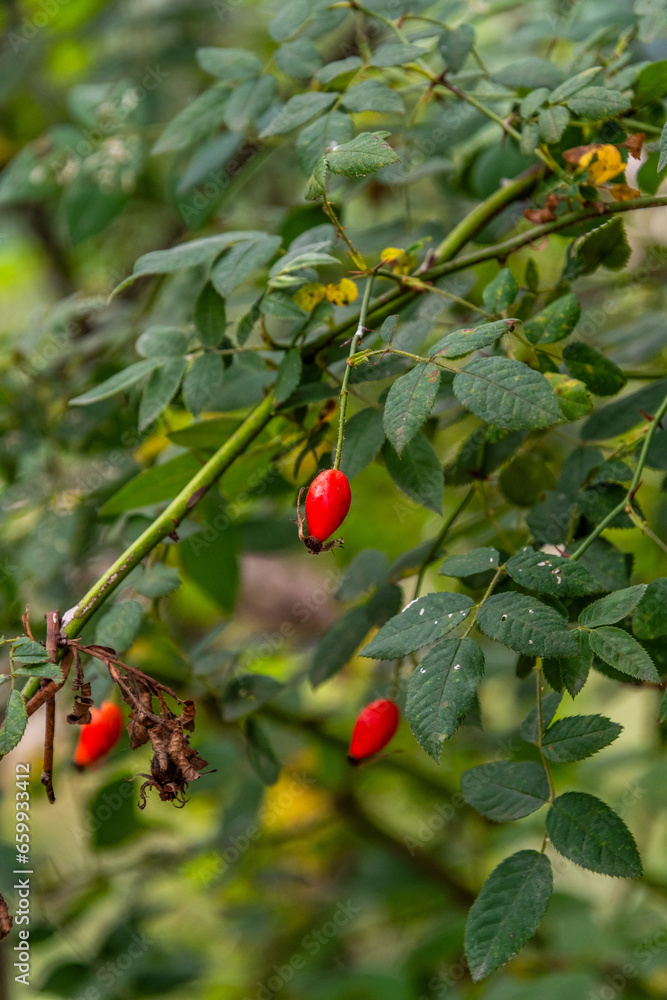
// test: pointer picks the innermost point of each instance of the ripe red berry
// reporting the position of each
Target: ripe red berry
(327, 503)
(99, 735)
(375, 726)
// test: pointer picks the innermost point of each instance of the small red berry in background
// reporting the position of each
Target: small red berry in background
(375, 726)
(99, 735)
(327, 503)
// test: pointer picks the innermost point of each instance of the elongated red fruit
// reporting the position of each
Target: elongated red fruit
(327, 503)
(375, 726)
(99, 735)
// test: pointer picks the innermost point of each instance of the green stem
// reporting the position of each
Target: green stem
(540, 724)
(395, 302)
(439, 539)
(170, 518)
(632, 489)
(348, 368)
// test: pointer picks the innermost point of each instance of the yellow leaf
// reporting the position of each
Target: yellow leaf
(603, 163)
(621, 192)
(343, 293)
(309, 295)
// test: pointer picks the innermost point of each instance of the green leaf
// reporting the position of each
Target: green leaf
(212, 563)
(579, 736)
(184, 255)
(388, 329)
(316, 187)
(248, 101)
(573, 397)
(89, 209)
(409, 402)
(423, 621)
(155, 485)
(339, 644)
(260, 753)
(456, 45)
(529, 73)
(298, 110)
(507, 911)
(458, 343)
(339, 67)
(160, 389)
(117, 383)
(526, 625)
(552, 122)
(574, 670)
(417, 472)
(625, 654)
(50, 670)
(299, 59)
(230, 65)
(13, 727)
(246, 693)
(598, 102)
(162, 342)
(662, 162)
(555, 322)
(530, 138)
(530, 727)
(395, 54)
(588, 832)
(322, 134)
(662, 711)
(203, 380)
(441, 691)
(550, 574)
(112, 816)
(475, 561)
(372, 95)
(120, 626)
(364, 436)
(575, 84)
(651, 84)
(624, 414)
(209, 433)
(606, 246)
(155, 581)
(505, 791)
(612, 608)
(500, 293)
(281, 306)
(210, 316)
(507, 393)
(650, 618)
(598, 373)
(239, 262)
(366, 153)
(247, 322)
(196, 121)
(367, 569)
(525, 478)
(289, 375)
(28, 651)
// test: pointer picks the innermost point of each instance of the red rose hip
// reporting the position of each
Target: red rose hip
(327, 503)
(99, 735)
(375, 726)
